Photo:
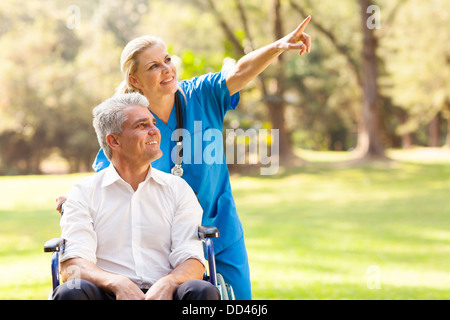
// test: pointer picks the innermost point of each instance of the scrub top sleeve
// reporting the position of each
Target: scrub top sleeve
(212, 93)
(227, 101)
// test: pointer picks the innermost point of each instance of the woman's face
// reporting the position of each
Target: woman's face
(156, 75)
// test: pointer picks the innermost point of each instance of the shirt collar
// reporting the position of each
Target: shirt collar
(157, 175)
(111, 176)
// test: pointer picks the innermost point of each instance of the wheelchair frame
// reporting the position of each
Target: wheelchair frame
(205, 234)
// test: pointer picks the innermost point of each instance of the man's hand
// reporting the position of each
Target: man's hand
(297, 39)
(121, 286)
(163, 289)
(125, 289)
(59, 201)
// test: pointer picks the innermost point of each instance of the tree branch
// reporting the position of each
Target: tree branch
(341, 48)
(390, 18)
(226, 28)
(244, 21)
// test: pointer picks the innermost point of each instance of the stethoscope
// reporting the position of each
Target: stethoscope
(177, 170)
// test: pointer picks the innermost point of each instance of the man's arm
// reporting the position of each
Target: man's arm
(186, 256)
(122, 287)
(164, 288)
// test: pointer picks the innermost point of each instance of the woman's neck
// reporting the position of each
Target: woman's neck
(162, 106)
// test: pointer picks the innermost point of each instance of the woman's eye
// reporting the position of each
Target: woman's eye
(168, 59)
(153, 66)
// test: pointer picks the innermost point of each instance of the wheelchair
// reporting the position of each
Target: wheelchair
(205, 234)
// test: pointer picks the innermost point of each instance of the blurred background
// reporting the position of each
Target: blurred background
(375, 79)
(374, 89)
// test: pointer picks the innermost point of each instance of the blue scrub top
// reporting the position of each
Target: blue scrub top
(205, 169)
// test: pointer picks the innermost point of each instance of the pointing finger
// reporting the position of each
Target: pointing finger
(303, 25)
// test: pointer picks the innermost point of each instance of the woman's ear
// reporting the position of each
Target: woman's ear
(134, 82)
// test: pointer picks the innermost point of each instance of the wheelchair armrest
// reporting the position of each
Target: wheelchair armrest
(208, 232)
(55, 244)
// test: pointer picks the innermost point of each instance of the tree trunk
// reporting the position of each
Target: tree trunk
(447, 143)
(286, 154)
(275, 102)
(369, 141)
(447, 113)
(369, 138)
(434, 132)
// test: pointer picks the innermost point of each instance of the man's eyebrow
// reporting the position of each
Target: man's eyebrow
(141, 120)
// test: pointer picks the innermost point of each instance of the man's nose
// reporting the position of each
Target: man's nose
(153, 130)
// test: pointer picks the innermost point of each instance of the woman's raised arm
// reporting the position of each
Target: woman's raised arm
(252, 64)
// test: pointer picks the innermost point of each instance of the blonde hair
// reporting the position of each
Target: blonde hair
(129, 61)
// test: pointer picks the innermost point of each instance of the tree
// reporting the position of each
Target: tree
(419, 69)
(272, 96)
(50, 89)
(366, 71)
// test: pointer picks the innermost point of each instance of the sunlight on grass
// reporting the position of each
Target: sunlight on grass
(27, 219)
(421, 155)
(315, 232)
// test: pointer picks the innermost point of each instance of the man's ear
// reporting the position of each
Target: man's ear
(113, 141)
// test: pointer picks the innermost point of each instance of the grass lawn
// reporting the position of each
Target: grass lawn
(316, 232)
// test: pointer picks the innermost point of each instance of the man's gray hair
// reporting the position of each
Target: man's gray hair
(109, 116)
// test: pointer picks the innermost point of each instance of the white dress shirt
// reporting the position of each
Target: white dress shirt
(142, 234)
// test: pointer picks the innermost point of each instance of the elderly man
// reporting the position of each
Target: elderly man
(131, 230)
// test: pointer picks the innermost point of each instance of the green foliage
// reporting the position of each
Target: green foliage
(55, 67)
(419, 61)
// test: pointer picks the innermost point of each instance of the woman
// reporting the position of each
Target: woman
(204, 101)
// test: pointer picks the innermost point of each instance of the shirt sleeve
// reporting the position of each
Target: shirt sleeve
(188, 216)
(77, 227)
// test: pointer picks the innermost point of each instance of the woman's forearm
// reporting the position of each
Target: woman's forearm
(250, 66)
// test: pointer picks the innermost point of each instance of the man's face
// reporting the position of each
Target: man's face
(139, 142)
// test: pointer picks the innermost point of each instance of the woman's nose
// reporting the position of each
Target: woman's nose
(166, 68)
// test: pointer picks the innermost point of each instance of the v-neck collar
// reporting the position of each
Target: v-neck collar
(171, 124)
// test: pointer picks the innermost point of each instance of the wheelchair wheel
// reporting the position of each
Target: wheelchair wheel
(230, 292)
(222, 286)
(226, 290)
